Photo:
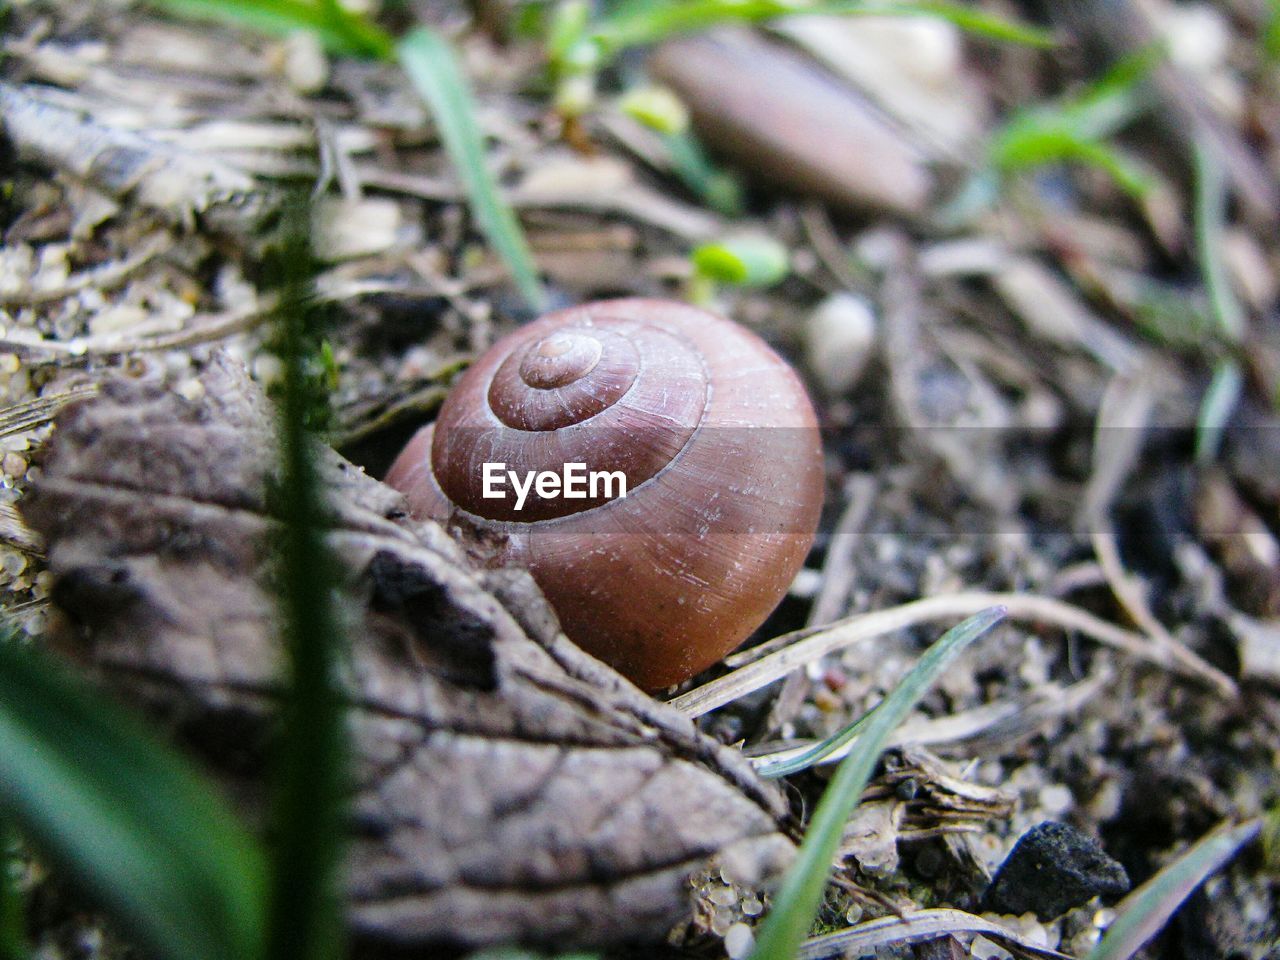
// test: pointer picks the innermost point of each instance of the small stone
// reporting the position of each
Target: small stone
(721, 921)
(267, 368)
(192, 388)
(305, 65)
(1056, 799)
(738, 941)
(347, 229)
(839, 338)
(723, 897)
(1197, 35)
(14, 465)
(1053, 868)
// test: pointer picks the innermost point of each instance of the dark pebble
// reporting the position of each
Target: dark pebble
(1053, 868)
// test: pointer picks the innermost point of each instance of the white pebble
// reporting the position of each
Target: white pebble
(739, 941)
(305, 65)
(839, 338)
(1197, 35)
(1055, 799)
(344, 230)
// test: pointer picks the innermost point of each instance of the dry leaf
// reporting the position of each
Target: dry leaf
(506, 785)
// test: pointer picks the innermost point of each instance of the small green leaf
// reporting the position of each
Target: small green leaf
(748, 261)
(1143, 912)
(435, 74)
(797, 902)
(1076, 129)
(658, 108)
(125, 817)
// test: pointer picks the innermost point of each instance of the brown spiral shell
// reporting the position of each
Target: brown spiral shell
(720, 449)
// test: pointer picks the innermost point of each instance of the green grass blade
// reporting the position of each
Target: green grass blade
(1219, 403)
(1229, 316)
(13, 935)
(435, 74)
(124, 817)
(974, 22)
(311, 771)
(1143, 912)
(340, 32)
(648, 22)
(1211, 212)
(767, 767)
(1271, 33)
(797, 902)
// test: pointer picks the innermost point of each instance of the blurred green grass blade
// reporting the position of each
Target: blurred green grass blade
(717, 188)
(434, 71)
(124, 817)
(339, 31)
(1210, 228)
(13, 935)
(1271, 33)
(648, 21)
(975, 22)
(1145, 911)
(797, 903)
(1271, 838)
(519, 953)
(1075, 130)
(309, 811)
(1219, 402)
(1229, 316)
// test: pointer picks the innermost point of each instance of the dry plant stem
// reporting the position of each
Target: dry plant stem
(33, 413)
(785, 653)
(1005, 723)
(838, 571)
(17, 534)
(635, 201)
(865, 938)
(103, 278)
(1123, 418)
(826, 244)
(207, 329)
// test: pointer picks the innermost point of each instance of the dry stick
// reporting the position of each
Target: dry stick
(1123, 417)
(205, 330)
(29, 414)
(1027, 715)
(832, 599)
(795, 653)
(635, 200)
(838, 570)
(104, 277)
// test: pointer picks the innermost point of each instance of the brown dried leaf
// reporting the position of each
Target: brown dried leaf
(506, 785)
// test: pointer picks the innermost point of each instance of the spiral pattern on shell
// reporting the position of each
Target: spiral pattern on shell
(720, 449)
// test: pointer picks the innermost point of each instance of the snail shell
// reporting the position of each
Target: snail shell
(721, 455)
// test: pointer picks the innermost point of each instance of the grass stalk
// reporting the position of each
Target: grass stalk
(304, 919)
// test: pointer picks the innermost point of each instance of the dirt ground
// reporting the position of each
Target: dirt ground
(1038, 380)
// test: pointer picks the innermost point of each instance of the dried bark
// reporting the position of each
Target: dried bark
(506, 787)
